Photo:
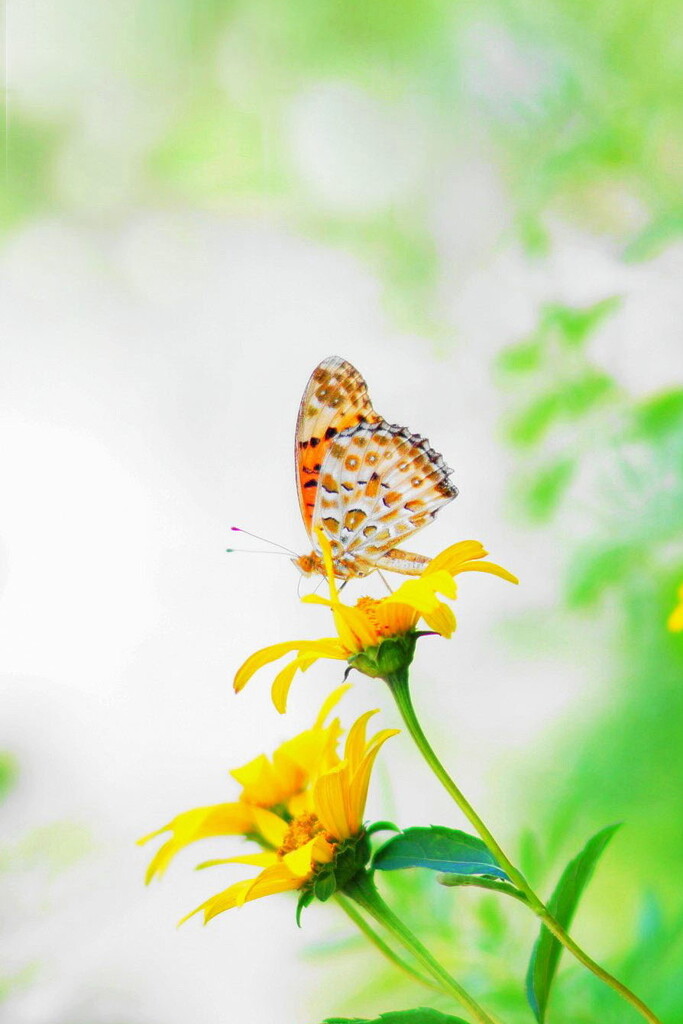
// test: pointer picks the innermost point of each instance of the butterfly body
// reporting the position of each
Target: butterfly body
(367, 484)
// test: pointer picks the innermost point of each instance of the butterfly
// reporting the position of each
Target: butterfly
(367, 484)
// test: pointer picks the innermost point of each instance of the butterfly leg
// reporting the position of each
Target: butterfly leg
(384, 581)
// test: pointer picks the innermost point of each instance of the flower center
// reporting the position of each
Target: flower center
(300, 831)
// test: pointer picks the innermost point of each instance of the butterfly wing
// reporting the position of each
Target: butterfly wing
(336, 398)
(378, 485)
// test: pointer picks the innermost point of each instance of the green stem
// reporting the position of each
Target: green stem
(382, 946)
(399, 686)
(362, 890)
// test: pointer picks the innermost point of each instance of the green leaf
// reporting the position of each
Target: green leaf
(439, 849)
(422, 1015)
(453, 880)
(562, 905)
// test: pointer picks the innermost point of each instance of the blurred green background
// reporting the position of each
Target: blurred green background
(557, 132)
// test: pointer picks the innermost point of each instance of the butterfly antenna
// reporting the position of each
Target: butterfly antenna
(265, 540)
(251, 551)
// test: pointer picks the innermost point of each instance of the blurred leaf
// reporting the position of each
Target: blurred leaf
(422, 1015)
(585, 391)
(660, 414)
(439, 849)
(594, 569)
(530, 855)
(562, 905)
(8, 774)
(544, 493)
(521, 358)
(26, 149)
(575, 325)
(529, 426)
(656, 236)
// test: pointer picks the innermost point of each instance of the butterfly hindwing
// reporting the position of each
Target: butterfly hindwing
(378, 485)
(336, 398)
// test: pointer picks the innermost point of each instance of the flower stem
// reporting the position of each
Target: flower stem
(382, 946)
(399, 686)
(362, 890)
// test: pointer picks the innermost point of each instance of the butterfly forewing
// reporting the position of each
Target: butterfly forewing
(335, 399)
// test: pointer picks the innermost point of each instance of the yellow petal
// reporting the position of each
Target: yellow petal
(358, 784)
(495, 570)
(300, 861)
(425, 585)
(260, 784)
(189, 827)
(441, 620)
(323, 852)
(271, 880)
(225, 900)
(278, 878)
(330, 794)
(355, 628)
(272, 828)
(283, 680)
(394, 619)
(329, 703)
(327, 561)
(675, 620)
(355, 741)
(264, 657)
(452, 557)
(258, 860)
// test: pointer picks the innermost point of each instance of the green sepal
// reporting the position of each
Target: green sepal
(381, 826)
(421, 1015)
(439, 849)
(324, 885)
(545, 956)
(350, 859)
(391, 656)
(306, 897)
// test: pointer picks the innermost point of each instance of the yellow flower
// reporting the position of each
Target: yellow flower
(364, 628)
(675, 620)
(277, 783)
(316, 848)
